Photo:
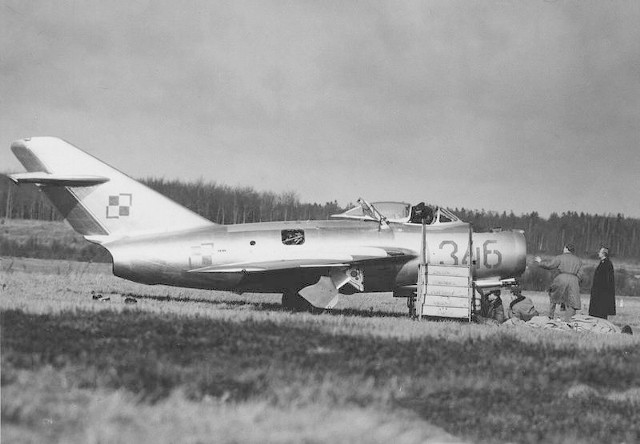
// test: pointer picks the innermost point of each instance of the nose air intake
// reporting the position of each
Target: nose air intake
(520, 243)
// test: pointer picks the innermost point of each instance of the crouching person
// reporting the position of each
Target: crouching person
(491, 309)
(521, 307)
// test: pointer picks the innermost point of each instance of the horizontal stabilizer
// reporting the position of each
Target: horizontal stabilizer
(41, 178)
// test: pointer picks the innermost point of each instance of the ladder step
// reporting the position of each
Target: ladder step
(448, 270)
(443, 290)
(446, 312)
(449, 281)
(446, 301)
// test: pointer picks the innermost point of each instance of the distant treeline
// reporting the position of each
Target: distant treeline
(219, 203)
(547, 236)
(230, 205)
(237, 205)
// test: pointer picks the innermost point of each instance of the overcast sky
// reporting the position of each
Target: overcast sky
(502, 105)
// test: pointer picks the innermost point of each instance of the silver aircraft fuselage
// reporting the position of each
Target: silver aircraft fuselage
(200, 258)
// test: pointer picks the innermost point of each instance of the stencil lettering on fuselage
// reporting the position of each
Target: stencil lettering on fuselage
(201, 255)
(490, 258)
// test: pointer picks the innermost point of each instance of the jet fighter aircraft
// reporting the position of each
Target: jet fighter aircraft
(153, 240)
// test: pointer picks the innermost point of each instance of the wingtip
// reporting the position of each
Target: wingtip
(20, 144)
(24, 142)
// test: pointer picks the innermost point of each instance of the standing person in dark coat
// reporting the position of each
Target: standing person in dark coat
(603, 299)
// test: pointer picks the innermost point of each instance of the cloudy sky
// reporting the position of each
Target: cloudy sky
(502, 105)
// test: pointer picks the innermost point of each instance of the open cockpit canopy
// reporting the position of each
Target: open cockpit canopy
(399, 212)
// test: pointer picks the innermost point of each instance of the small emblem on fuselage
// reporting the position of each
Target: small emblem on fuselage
(119, 206)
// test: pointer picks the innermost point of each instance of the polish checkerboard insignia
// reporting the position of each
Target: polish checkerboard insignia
(119, 206)
(201, 255)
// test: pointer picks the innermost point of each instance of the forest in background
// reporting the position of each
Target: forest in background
(219, 203)
(231, 205)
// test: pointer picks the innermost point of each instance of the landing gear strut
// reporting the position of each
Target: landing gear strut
(411, 305)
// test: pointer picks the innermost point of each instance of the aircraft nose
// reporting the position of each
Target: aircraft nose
(520, 243)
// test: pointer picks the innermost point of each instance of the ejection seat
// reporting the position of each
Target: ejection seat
(421, 212)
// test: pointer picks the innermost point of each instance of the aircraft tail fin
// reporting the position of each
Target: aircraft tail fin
(96, 199)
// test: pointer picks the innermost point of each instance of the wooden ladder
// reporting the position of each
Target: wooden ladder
(446, 290)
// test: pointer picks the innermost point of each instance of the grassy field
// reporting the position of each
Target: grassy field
(186, 365)
(47, 240)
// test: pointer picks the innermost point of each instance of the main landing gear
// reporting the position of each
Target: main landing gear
(292, 301)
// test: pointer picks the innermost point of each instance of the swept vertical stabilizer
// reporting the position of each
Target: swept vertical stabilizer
(96, 199)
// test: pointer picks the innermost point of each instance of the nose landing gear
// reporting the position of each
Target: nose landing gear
(411, 305)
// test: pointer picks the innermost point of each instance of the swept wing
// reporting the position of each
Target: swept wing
(311, 259)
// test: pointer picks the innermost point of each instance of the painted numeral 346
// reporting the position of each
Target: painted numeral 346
(491, 258)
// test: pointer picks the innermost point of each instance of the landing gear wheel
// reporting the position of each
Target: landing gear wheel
(292, 301)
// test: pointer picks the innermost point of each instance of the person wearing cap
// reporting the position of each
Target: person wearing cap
(565, 287)
(603, 293)
(521, 307)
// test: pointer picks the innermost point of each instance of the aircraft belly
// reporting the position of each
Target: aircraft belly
(279, 281)
(167, 262)
(160, 272)
(381, 276)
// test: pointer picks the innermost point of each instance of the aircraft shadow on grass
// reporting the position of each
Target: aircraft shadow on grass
(265, 306)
